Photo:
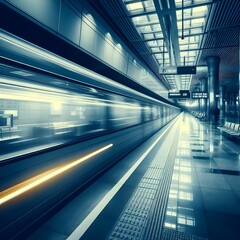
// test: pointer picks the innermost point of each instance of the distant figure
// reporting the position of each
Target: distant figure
(216, 116)
(184, 116)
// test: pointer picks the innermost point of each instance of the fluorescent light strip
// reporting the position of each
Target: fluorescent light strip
(31, 183)
(86, 223)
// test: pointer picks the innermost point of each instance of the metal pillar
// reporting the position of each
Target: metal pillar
(222, 104)
(238, 112)
(204, 88)
(198, 89)
(239, 84)
(235, 106)
(213, 87)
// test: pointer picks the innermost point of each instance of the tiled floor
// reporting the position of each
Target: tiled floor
(204, 199)
(203, 202)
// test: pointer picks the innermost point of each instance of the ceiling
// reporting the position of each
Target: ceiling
(169, 33)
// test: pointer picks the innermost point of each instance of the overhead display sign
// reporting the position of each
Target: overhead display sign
(186, 70)
(181, 94)
(174, 70)
(168, 70)
(199, 95)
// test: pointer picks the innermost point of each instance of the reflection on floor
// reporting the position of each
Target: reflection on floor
(204, 198)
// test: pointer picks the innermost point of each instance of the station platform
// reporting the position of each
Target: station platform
(182, 183)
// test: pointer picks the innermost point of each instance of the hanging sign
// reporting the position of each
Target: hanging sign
(181, 94)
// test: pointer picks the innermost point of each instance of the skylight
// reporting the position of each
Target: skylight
(148, 36)
(196, 30)
(135, 6)
(201, 9)
(140, 20)
(197, 21)
(190, 33)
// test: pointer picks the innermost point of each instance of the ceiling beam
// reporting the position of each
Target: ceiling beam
(134, 1)
(148, 40)
(195, 5)
(147, 24)
(192, 18)
(143, 13)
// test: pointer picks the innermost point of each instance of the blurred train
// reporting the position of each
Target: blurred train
(51, 107)
(52, 112)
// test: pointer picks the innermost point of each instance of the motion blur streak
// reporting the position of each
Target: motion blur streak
(25, 186)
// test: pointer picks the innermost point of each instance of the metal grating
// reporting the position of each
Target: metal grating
(114, 8)
(222, 38)
(130, 32)
(140, 47)
(225, 14)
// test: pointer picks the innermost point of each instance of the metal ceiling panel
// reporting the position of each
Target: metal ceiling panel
(226, 14)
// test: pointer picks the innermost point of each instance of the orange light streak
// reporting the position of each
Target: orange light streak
(33, 182)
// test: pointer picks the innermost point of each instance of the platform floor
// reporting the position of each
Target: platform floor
(204, 198)
(186, 187)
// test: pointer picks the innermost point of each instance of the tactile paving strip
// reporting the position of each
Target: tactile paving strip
(154, 224)
(153, 173)
(169, 234)
(133, 220)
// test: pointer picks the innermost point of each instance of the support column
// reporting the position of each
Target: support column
(198, 89)
(238, 105)
(222, 116)
(239, 101)
(204, 88)
(213, 87)
(238, 94)
(235, 106)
